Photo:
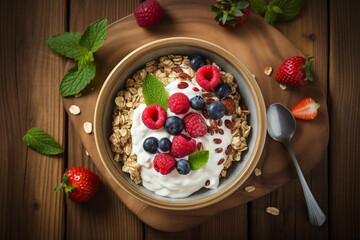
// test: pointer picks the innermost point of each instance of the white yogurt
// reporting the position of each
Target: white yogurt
(175, 185)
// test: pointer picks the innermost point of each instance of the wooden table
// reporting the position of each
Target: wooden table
(30, 76)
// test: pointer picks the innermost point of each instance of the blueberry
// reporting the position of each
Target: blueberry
(216, 110)
(197, 62)
(183, 167)
(174, 125)
(164, 144)
(197, 102)
(150, 144)
(223, 91)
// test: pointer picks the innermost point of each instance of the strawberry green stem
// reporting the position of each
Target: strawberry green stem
(308, 69)
(66, 186)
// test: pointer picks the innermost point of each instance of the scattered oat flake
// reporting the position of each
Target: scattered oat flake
(78, 95)
(75, 110)
(282, 86)
(88, 127)
(273, 211)
(257, 172)
(268, 70)
(249, 189)
(87, 154)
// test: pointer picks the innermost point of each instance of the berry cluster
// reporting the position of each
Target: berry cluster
(154, 117)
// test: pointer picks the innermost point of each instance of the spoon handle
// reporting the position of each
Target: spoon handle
(316, 215)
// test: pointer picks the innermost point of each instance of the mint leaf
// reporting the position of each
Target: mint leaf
(198, 159)
(270, 16)
(77, 78)
(66, 44)
(41, 142)
(94, 35)
(290, 8)
(277, 10)
(154, 92)
(258, 6)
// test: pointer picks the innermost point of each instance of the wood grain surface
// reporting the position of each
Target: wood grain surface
(256, 44)
(30, 74)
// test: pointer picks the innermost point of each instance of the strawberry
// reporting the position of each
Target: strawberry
(295, 72)
(231, 13)
(306, 109)
(80, 184)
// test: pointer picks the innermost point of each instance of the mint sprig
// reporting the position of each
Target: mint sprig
(81, 48)
(276, 10)
(154, 92)
(198, 159)
(41, 142)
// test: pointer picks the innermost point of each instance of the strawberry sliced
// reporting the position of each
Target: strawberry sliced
(306, 109)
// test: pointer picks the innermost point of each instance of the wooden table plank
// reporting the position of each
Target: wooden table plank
(105, 216)
(30, 75)
(344, 90)
(293, 220)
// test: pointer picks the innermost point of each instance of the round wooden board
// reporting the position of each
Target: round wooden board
(257, 45)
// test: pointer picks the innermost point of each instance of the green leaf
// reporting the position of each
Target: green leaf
(258, 6)
(41, 142)
(224, 18)
(290, 8)
(237, 12)
(277, 10)
(198, 159)
(66, 179)
(66, 44)
(94, 35)
(154, 92)
(59, 187)
(216, 8)
(242, 4)
(232, 21)
(77, 78)
(270, 16)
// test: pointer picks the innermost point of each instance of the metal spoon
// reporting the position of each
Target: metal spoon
(281, 127)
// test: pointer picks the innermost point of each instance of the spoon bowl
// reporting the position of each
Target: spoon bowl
(281, 126)
(281, 123)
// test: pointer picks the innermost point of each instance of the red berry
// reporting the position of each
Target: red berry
(229, 105)
(195, 125)
(208, 76)
(306, 109)
(154, 116)
(181, 146)
(164, 163)
(148, 13)
(80, 184)
(179, 103)
(231, 8)
(295, 72)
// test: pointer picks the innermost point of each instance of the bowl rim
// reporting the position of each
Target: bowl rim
(261, 120)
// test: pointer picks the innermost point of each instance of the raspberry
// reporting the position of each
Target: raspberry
(195, 125)
(179, 103)
(229, 105)
(154, 116)
(164, 163)
(181, 146)
(208, 76)
(148, 13)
